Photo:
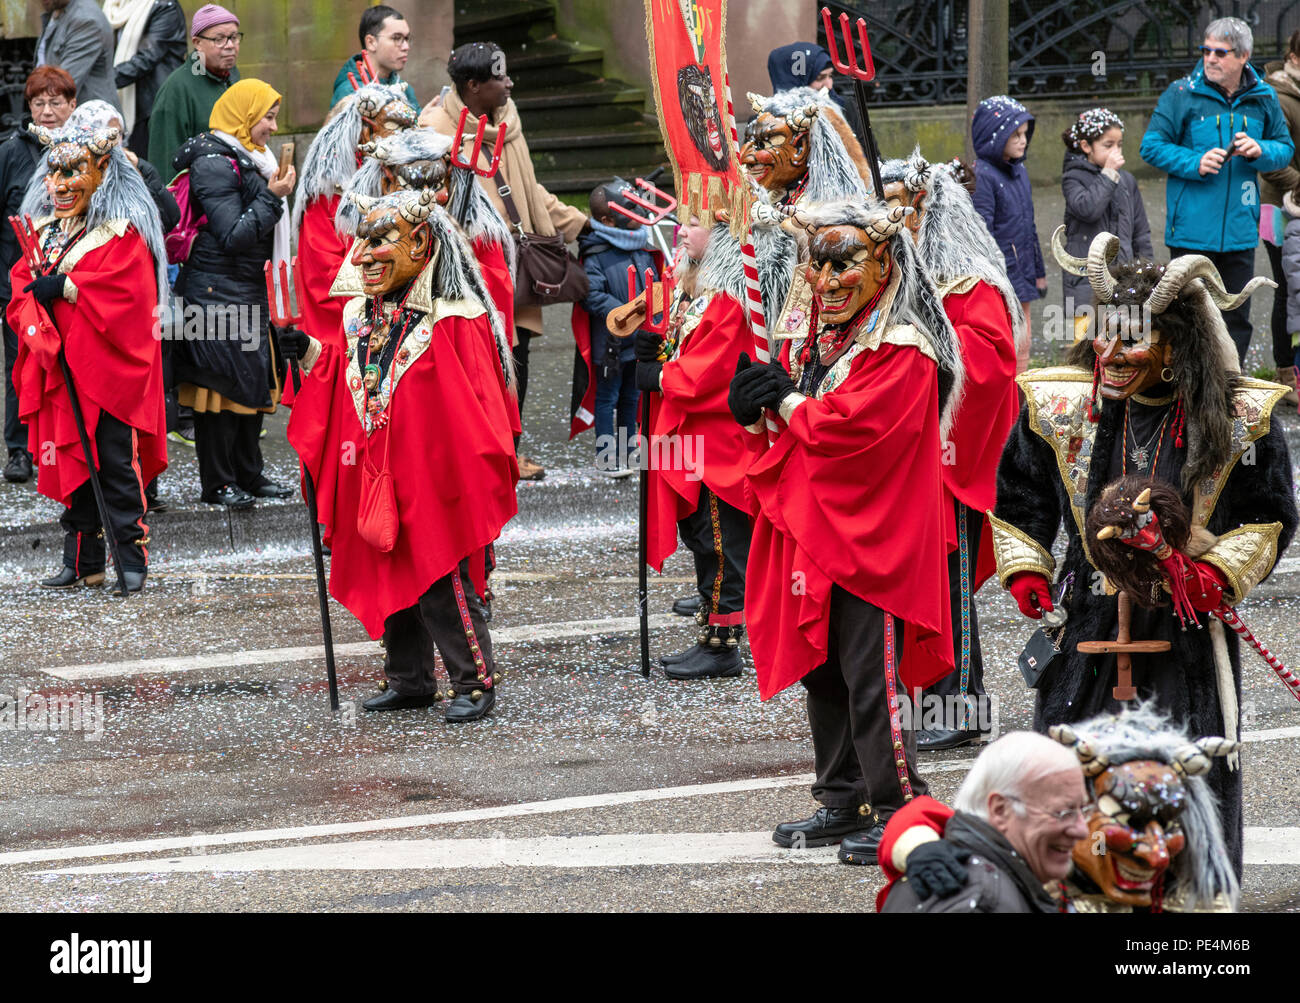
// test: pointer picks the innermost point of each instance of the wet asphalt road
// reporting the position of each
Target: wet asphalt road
(227, 784)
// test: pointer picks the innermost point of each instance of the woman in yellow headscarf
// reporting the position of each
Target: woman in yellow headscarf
(225, 365)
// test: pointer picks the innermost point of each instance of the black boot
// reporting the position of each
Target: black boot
(702, 618)
(861, 847)
(19, 468)
(134, 581)
(717, 656)
(687, 605)
(67, 578)
(390, 699)
(470, 706)
(933, 739)
(826, 826)
(83, 562)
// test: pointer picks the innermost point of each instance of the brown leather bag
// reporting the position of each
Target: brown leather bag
(546, 272)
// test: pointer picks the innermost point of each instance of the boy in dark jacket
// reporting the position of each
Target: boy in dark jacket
(1001, 131)
(613, 243)
(1099, 197)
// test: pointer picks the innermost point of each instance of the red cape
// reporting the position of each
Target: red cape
(321, 253)
(496, 277)
(584, 413)
(690, 421)
(114, 355)
(451, 456)
(989, 408)
(851, 495)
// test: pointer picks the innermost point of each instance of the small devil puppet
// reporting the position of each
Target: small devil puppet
(847, 579)
(1155, 396)
(95, 269)
(332, 159)
(413, 486)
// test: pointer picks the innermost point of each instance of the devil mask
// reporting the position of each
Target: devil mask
(383, 120)
(846, 270)
(77, 164)
(1131, 352)
(391, 250)
(776, 150)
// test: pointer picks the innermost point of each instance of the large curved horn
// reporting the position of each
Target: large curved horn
(1067, 261)
(802, 118)
(1101, 252)
(755, 102)
(418, 209)
(1181, 271)
(919, 170)
(1213, 745)
(885, 225)
(103, 140)
(364, 203)
(1090, 759)
(1190, 761)
(46, 136)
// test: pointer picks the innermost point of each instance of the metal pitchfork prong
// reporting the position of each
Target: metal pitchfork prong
(472, 163)
(281, 303)
(657, 213)
(860, 75)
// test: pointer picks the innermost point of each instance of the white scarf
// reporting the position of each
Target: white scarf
(267, 166)
(130, 16)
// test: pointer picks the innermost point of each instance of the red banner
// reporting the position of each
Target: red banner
(689, 69)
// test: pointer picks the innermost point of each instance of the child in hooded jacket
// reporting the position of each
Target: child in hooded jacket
(1001, 130)
(1099, 197)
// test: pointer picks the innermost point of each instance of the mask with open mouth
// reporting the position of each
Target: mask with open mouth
(1134, 830)
(77, 169)
(378, 120)
(775, 153)
(1131, 352)
(391, 250)
(846, 270)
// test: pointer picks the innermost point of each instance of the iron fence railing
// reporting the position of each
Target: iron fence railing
(1056, 48)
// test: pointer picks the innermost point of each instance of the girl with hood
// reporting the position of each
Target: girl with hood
(1099, 197)
(1001, 130)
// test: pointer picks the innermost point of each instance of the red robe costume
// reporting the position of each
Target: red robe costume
(450, 454)
(112, 350)
(851, 495)
(690, 419)
(321, 253)
(987, 413)
(501, 288)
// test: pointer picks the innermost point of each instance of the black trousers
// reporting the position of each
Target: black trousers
(229, 450)
(968, 678)
(1283, 354)
(718, 536)
(119, 477)
(856, 751)
(438, 620)
(1237, 268)
(520, 352)
(15, 430)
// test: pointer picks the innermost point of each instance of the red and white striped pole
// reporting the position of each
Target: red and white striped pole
(1229, 616)
(753, 293)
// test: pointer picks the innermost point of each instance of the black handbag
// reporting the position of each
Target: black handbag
(1043, 652)
(546, 272)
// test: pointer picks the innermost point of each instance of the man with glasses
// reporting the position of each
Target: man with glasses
(184, 102)
(1211, 132)
(386, 39)
(1019, 813)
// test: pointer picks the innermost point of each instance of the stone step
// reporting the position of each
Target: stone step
(509, 23)
(553, 62)
(568, 180)
(611, 148)
(579, 106)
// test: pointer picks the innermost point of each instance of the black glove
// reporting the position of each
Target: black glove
(609, 366)
(648, 375)
(120, 79)
(46, 289)
(780, 384)
(937, 868)
(647, 346)
(749, 388)
(291, 342)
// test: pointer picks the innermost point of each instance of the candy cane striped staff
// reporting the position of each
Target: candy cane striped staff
(753, 294)
(1228, 615)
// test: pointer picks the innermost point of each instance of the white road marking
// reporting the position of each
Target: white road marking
(1263, 846)
(1287, 566)
(266, 656)
(615, 850)
(1271, 735)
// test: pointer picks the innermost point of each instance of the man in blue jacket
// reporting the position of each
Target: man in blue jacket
(1211, 132)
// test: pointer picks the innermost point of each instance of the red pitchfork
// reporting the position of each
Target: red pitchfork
(367, 71)
(472, 163)
(656, 212)
(282, 315)
(860, 75)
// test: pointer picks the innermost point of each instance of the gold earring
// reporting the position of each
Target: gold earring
(1167, 375)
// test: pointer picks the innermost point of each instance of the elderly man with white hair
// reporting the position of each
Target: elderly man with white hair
(1211, 131)
(1018, 815)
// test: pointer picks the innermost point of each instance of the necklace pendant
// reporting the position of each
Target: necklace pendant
(1140, 457)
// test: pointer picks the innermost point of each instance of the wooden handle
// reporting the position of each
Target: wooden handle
(624, 321)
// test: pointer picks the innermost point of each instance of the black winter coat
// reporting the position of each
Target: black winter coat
(225, 268)
(19, 155)
(1093, 203)
(169, 213)
(162, 48)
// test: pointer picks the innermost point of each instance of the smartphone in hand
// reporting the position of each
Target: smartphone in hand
(286, 159)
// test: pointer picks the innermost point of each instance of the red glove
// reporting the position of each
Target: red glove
(1032, 592)
(1205, 584)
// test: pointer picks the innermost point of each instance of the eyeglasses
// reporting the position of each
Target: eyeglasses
(221, 41)
(1064, 816)
(398, 40)
(1206, 50)
(48, 104)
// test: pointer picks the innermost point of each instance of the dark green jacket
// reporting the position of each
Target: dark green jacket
(343, 86)
(182, 109)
